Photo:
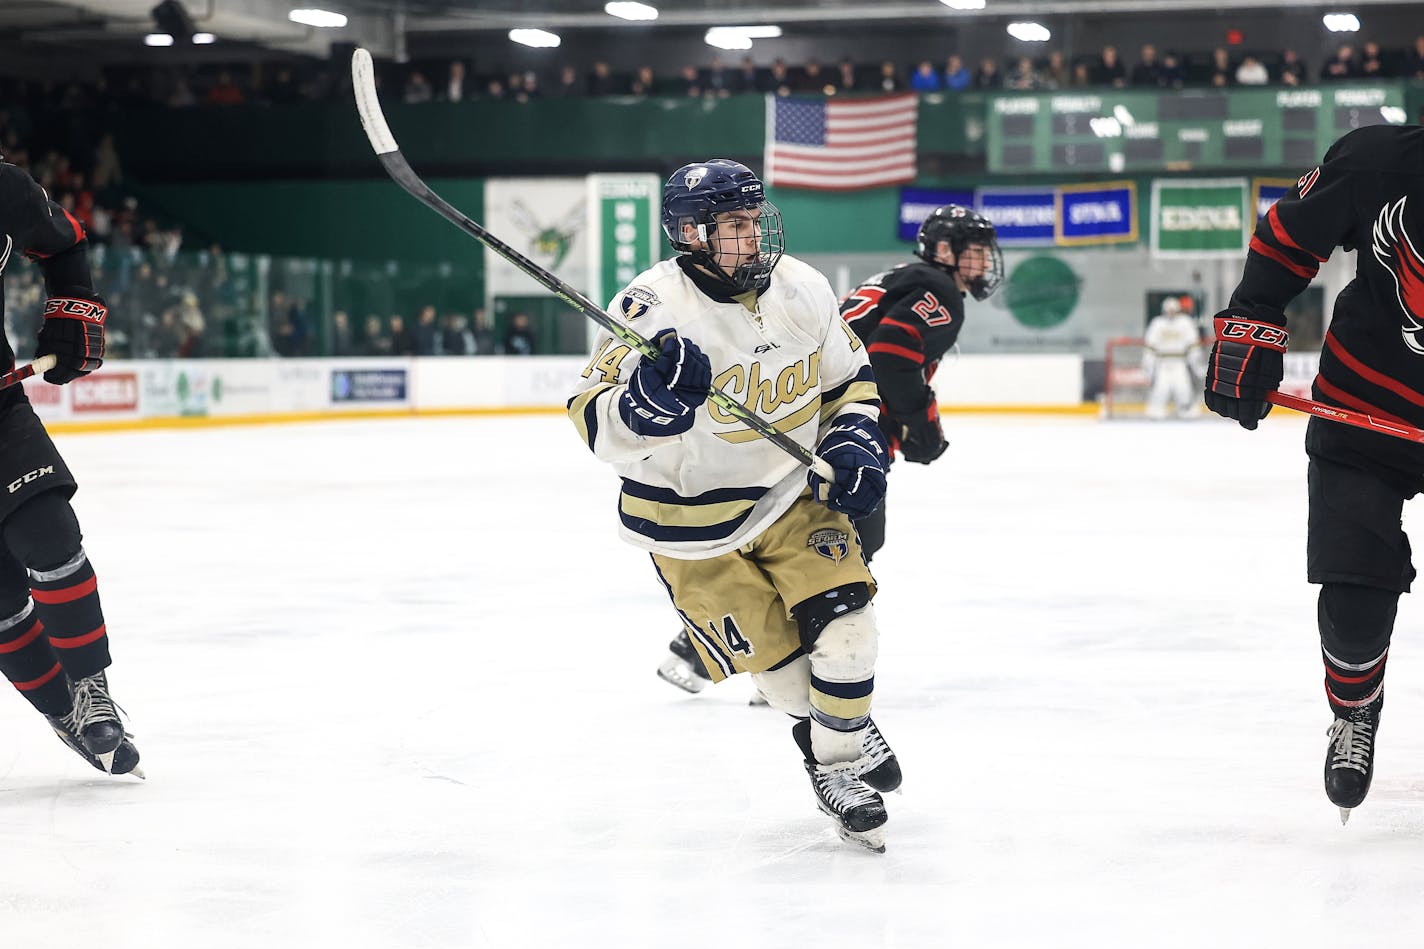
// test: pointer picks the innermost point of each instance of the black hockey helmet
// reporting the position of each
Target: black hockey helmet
(697, 192)
(959, 227)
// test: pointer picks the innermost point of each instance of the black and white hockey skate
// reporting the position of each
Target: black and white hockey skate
(683, 667)
(92, 727)
(856, 808)
(122, 760)
(882, 771)
(1350, 759)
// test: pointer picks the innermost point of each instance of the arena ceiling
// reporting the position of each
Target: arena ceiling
(107, 28)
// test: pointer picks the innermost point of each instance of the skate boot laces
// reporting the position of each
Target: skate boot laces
(840, 786)
(1352, 744)
(92, 703)
(877, 752)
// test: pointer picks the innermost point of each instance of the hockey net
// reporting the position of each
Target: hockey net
(1125, 379)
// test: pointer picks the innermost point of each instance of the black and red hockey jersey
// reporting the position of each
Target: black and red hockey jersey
(1368, 196)
(908, 318)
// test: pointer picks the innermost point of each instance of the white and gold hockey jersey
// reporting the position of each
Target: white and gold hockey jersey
(791, 360)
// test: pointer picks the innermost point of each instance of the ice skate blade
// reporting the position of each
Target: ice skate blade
(676, 672)
(138, 773)
(107, 760)
(872, 840)
(1345, 815)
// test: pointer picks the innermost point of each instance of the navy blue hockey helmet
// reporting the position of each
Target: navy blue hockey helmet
(696, 193)
(959, 227)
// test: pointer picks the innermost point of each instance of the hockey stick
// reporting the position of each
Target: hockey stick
(21, 373)
(369, 105)
(1346, 416)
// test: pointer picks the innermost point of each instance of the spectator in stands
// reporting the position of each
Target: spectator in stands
(1172, 74)
(924, 78)
(1221, 72)
(688, 82)
(426, 335)
(456, 339)
(845, 76)
(402, 339)
(417, 89)
(1147, 72)
(1251, 72)
(519, 340)
(814, 79)
(780, 80)
(514, 82)
(191, 326)
(719, 80)
(531, 87)
(1414, 62)
(455, 82)
(182, 95)
(988, 76)
(284, 89)
(483, 331)
(377, 341)
(889, 80)
(644, 83)
(1022, 76)
(164, 337)
(1082, 75)
(1340, 66)
(343, 341)
(1371, 66)
(1056, 74)
(568, 86)
(957, 77)
(1110, 71)
(600, 80)
(225, 91)
(1292, 69)
(747, 79)
(494, 89)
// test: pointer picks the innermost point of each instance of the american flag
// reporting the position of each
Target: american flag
(840, 144)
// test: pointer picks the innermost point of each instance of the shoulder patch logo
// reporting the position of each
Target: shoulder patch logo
(830, 543)
(1396, 251)
(637, 301)
(1307, 181)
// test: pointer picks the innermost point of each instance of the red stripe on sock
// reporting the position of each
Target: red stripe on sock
(36, 683)
(24, 640)
(74, 642)
(66, 594)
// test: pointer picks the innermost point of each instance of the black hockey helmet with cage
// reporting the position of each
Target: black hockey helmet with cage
(696, 193)
(959, 227)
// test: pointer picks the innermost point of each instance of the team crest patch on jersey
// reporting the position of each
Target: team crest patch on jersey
(830, 543)
(1307, 181)
(1397, 252)
(637, 301)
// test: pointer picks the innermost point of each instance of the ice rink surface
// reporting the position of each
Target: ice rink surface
(393, 686)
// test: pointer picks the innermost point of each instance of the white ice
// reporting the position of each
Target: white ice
(393, 686)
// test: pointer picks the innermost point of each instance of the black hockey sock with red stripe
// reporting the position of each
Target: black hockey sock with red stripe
(67, 601)
(1356, 624)
(29, 663)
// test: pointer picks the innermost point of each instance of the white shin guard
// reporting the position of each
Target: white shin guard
(844, 652)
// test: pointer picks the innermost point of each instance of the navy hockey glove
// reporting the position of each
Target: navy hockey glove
(1246, 365)
(73, 332)
(856, 449)
(922, 438)
(663, 394)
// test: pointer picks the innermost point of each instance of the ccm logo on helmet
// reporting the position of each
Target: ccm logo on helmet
(1260, 334)
(32, 476)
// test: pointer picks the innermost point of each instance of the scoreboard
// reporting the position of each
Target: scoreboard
(1127, 130)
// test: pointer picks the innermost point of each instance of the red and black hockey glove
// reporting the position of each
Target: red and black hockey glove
(1246, 365)
(73, 332)
(922, 439)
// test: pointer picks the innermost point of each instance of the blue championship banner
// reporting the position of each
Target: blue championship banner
(917, 203)
(1021, 216)
(1267, 191)
(1101, 213)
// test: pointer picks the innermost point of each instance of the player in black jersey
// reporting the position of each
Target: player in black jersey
(1372, 362)
(54, 646)
(908, 318)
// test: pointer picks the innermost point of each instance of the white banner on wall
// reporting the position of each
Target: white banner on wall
(546, 220)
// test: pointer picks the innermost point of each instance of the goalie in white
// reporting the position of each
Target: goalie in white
(1171, 358)
(767, 577)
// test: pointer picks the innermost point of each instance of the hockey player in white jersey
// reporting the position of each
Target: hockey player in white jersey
(1172, 347)
(759, 558)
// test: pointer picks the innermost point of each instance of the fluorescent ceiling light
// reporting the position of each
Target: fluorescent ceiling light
(630, 10)
(1342, 23)
(204, 39)
(540, 39)
(315, 17)
(158, 39)
(1029, 32)
(739, 37)
(963, 4)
